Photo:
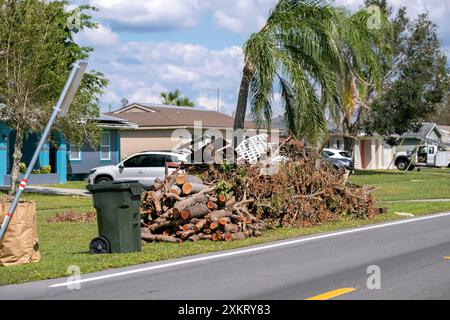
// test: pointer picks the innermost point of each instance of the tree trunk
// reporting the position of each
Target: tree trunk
(17, 158)
(175, 190)
(192, 201)
(241, 108)
(193, 188)
(181, 179)
(349, 142)
(147, 236)
(197, 211)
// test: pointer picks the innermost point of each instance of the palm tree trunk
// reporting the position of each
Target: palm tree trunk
(17, 158)
(241, 108)
(349, 142)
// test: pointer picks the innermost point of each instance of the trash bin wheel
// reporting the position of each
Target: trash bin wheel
(99, 245)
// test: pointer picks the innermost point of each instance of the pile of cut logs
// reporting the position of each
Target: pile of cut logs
(182, 208)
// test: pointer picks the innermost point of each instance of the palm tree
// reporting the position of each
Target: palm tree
(366, 56)
(174, 98)
(297, 49)
(307, 47)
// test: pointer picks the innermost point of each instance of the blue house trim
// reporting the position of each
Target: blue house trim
(57, 153)
(61, 158)
(119, 150)
(4, 136)
(44, 156)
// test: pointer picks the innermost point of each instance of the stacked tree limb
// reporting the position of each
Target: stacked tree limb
(302, 191)
(233, 202)
(183, 208)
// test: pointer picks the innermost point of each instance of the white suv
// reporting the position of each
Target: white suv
(337, 154)
(144, 167)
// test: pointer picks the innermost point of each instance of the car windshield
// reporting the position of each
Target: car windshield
(345, 154)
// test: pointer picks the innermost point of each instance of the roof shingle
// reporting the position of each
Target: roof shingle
(172, 116)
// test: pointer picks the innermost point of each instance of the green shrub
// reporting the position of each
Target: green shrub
(43, 170)
(22, 168)
(223, 187)
(46, 170)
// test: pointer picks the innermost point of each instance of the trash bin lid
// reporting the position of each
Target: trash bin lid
(134, 186)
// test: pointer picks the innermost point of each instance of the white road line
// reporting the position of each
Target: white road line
(249, 250)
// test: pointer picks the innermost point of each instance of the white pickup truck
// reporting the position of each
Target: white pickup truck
(423, 156)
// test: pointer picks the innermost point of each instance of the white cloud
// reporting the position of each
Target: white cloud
(101, 36)
(149, 15)
(147, 94)
(210, 102)
(176, 74)
(227, 22)
(243, 16)
(140, 71)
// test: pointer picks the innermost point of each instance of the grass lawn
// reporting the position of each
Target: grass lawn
(69, 185)
(397, 185)
(65, 244)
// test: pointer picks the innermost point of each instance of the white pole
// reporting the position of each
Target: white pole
(71, 86)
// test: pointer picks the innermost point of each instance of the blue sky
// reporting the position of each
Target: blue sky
(148, 46)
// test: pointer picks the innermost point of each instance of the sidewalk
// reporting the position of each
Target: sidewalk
(54, 191)
(417, 200)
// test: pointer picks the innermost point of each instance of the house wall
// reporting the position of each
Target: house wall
(373, 154)
(388, 156)
(135, 141)
(433, 137)
(90, 156)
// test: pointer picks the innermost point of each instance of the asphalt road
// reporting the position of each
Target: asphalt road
(412, 257)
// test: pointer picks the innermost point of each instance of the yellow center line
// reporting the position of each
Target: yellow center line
(332, 294)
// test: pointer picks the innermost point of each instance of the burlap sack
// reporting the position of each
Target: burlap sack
(20, 244)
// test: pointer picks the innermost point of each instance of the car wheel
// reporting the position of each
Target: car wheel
(402, 165)
(103, 180)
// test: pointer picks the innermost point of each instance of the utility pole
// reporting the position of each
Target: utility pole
(218, 97)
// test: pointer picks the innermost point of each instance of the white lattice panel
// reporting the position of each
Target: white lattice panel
(252, 149)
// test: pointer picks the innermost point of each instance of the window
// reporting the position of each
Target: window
(345, 154)
(75, 152)
(140, 161)
(327, 154)
(105, 147)
(431, 150)
(338, 144)
(148, 161)
(159, 160)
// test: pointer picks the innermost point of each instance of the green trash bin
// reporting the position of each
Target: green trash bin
(118, 216)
